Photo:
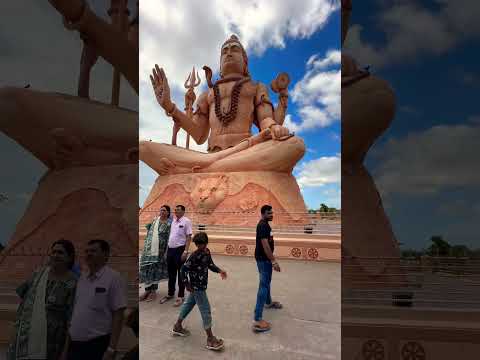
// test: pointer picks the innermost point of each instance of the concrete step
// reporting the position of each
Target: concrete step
(325, 247)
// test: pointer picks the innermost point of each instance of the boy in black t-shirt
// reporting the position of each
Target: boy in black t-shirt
(195, 276)
(265, 262)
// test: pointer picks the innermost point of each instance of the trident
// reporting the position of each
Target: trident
(191, 83)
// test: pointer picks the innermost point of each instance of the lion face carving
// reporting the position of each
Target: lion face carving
(209, 192)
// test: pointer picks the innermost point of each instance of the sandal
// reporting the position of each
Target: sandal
(165, 299)
(144, 296)
(178, 302)
(180, 332)
(274, 305)
(215, 344)
(152, 296)
(261, 326)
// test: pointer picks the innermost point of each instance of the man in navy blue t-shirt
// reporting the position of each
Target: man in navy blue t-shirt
(265, 262)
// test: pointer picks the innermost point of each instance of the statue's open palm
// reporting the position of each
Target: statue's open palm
(161, 88)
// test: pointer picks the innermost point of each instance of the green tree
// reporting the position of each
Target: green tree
(460, 251)
(439, 246)
(475, 254)
(323, 208)
(408, 253)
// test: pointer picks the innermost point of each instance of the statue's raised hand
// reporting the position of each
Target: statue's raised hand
(161, 88)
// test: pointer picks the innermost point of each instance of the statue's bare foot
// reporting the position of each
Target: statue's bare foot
(260, 137)
(286, 137)
(165, 166)
(70, 150)
(66, 147)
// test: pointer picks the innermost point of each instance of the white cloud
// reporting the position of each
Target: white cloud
(332, 58)
(319, 172)
(412, 30)
(199, 28)
(266, 23)
(448, 159)
(317, 95)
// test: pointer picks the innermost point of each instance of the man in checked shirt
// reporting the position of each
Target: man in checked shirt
(195, 275)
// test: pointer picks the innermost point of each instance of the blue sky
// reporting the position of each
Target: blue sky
(425, 164)
(282, 44)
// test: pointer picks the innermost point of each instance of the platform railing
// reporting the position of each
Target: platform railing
(326, 229)
(308, 217)
(433, 282)
(307, 223)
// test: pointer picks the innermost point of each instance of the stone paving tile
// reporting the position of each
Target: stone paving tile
(307, 328)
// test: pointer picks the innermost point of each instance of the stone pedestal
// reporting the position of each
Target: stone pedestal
(228, 198)
(77, 204)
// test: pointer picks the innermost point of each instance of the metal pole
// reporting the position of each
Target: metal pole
(119, 14)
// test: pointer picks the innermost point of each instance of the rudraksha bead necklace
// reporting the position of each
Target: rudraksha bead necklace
(226, 117)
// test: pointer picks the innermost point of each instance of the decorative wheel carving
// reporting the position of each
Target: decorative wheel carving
(229, 249)
(373, 350)
(312, 253)
(413, 351)
(296, 252)
(243, 249)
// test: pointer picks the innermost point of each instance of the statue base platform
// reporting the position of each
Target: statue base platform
(227, 206)
(78, 204)
(311, 247)
(233, 198)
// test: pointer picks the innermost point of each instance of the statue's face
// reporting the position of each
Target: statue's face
(231, 60)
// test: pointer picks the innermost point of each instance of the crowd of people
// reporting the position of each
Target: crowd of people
(166, 256)
(68, 315)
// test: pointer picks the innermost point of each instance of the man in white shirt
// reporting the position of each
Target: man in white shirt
(100, 302)
(178, 245)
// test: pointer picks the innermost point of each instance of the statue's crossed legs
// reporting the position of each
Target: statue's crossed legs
(258, 153)
(62, 130)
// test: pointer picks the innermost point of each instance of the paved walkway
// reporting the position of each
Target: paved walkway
(307, 328)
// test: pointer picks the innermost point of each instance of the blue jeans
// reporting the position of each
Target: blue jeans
(200, 298)
(263, 295)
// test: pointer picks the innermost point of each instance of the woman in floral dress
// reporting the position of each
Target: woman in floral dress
(153, 265)
(44, 313)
